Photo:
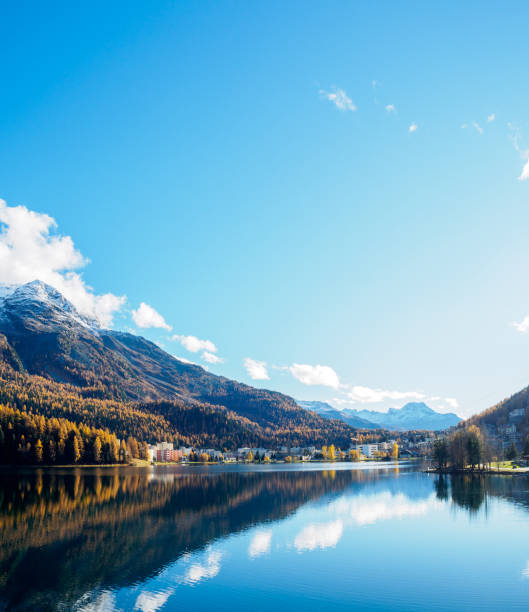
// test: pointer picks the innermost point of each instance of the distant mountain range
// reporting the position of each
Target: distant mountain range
(414, 415)
(347, 416)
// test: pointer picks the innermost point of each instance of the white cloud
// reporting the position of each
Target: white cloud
(413, 127)
(150, 602)
(391, 108)
(30, 250)
(319, 535)
(315, 375)
(194, 344)
(452, 402)
(260, 544)
(209, 569)
(145, 316)
(525, 172)
(256, 369)
(366, 395)
(339, 98)
(523, 326)
(477, 127)
(491, 118)
(524, 154)
(184, 360)
(211, 357)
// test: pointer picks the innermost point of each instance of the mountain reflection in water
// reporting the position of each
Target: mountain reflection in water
(71, 537)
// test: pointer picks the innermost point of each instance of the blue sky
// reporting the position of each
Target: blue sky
(250, 172)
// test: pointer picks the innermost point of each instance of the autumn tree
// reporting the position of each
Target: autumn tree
(97, 450)
(132, 446)
(123, 455)
(459, 449)
(354, 455)
(76, 449)
(144, 451)
(38, 451)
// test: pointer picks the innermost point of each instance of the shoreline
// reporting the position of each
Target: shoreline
(146, 464)
(501, 471)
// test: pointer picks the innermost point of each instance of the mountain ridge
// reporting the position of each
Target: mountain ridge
(411, 416)
(43, 335)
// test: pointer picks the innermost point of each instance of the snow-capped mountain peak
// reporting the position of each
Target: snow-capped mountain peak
(33, 299)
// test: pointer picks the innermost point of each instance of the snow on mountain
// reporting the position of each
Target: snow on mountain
(414, 415)
(329, 412)
(41, 302)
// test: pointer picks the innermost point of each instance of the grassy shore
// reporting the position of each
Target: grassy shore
(501, 467)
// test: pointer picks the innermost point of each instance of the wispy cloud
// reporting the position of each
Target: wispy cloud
(315, 375)
(366, 395)
(491, 118)
(257, 370)
(391, 108)
(413, 128)
(184, 360)
(194, 344)
(473, 124)
(339, 98)
(145, 317)
(522, 326)
(211, 357)
(524, 153)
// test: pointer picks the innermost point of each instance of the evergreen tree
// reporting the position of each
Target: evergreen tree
(440, 453)
(512, 452)
(51, 452)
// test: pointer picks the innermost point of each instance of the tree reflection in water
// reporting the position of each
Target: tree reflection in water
(65, 533)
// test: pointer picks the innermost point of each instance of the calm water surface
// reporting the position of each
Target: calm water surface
(378, 537)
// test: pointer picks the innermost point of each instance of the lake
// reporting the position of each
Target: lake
(377, 537)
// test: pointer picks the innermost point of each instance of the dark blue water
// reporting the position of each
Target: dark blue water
(327, 537)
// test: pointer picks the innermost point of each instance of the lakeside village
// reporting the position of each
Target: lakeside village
(401, 446)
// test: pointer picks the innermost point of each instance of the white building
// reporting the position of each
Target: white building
(368, 450)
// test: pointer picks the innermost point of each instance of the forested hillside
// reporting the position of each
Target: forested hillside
(189, 424)
(514, 409)
(55, 364)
